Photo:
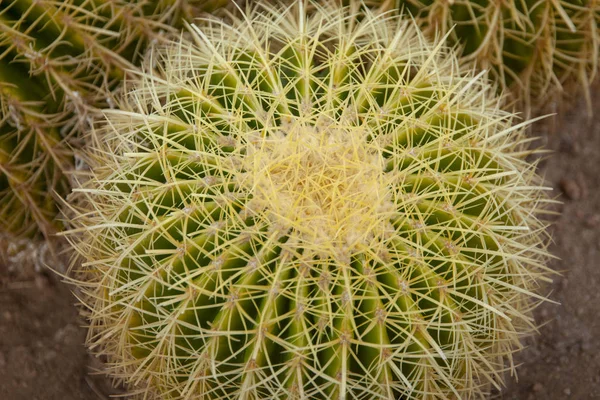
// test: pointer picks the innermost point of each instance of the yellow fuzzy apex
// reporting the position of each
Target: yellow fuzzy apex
(317, 205)
(322, 181)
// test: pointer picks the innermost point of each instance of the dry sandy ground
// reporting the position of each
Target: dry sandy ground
(42, 356)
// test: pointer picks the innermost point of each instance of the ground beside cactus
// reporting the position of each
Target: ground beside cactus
(309, 207)
(59, 60)
(534, 49)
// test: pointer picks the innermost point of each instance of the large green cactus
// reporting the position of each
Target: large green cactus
(59, 59)
(533, 48)
(309, 207)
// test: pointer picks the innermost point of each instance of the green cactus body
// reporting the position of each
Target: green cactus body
(309, 207)
(533, 48)
(59, 59)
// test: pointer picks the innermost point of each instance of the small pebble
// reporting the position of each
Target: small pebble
(586, 346)
(538, 387)
(50, 355)
(593, 221)
(59, 335)
(571, 189)
(569, 145)
(42, 282)
(563, 285)
(567, 391)
(66, 335)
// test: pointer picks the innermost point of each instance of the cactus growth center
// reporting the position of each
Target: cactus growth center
(324, 183)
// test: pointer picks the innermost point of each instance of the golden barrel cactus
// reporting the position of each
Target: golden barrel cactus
(309, 206)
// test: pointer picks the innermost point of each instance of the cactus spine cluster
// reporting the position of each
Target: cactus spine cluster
(532, 48)
(317, 206)
(59, 59)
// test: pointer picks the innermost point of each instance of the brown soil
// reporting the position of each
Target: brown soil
(563, 362)
(42, 356)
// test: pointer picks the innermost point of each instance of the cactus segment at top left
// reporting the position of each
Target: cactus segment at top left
(59, 60)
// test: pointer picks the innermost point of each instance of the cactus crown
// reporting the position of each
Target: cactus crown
(321, 206)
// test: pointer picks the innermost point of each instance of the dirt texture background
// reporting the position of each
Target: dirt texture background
(42, 356)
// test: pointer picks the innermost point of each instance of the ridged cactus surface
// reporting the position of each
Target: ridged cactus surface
(534, 48)
(59, 59)
(309, 207)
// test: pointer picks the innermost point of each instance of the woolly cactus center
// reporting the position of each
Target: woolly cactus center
(324, 184)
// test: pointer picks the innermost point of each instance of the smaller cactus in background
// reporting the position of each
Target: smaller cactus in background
(309, 207)
(533, 49)
(59, 60)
